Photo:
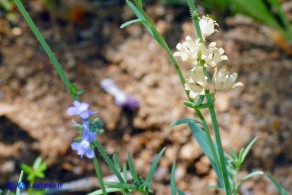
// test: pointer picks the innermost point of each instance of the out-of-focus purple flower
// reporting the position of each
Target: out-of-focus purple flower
(121, 98)
(129, 102)
(80, 109)
(83, 147)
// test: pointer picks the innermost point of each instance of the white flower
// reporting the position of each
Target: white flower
(223, 80)
(197, 82)
(188, 50)
(207, 26)
(212, 55)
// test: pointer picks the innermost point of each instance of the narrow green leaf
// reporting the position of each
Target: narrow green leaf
(246, 151)
(132, 169)
(256, 173)
(19, 180)
(6, 4)
(40, 175)
(125, 172)
(117, 162)
(279, 187)
(27, 169)
(202, 140)
(99, 174)
(108, 161)
(279, 12)
(233, 153)
(172, 179)
(120, 185)
(140, 3)
(136, 10)
(154, 166)
(108, 190)
(37, 163)
(180, 192)
(130, 22)
(213, 187)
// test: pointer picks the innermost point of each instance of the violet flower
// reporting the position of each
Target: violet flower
(121, 98)
(83, 147)
(80, 109)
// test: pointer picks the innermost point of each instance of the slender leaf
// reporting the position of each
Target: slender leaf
(172, 179)
(120, 185)
(108, 161)
(256, 173)
(202, 140)
(233, 153)
(279, 187)
(136, 10)
(154, 166)
(117, 162)
(132, 169)
(246, 151)
(213, 187)
(130, 22)
(125, 173)
(180, 192)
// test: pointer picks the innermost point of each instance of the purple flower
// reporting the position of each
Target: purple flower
(83, 147)
(129, 102)
(80, 109)
(121, 98)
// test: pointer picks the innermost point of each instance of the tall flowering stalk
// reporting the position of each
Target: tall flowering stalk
(201, 88)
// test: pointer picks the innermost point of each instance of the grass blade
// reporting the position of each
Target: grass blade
(279, 187)
(246, 151)
(132, 169)
(154, 166)
(201, 138)
(130, 22)
(172, 179)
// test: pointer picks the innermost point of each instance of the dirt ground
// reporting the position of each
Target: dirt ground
(91, 46)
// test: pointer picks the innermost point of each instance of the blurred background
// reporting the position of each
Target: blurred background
(86, 38)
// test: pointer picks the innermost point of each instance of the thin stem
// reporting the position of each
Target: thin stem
(219, 145)
(195, 18)
(98, 173)
(44, 44)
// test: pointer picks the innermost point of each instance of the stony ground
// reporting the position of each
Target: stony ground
(90, 46)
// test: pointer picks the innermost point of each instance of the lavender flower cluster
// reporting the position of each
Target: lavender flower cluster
(83, 147)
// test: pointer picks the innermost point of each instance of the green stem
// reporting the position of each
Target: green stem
(219, 145)
(44, 44)
(98, 173)
(195, 18)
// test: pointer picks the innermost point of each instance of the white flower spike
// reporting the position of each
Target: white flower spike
(197, 82)
(207, 26)
(188, 50)
(223, 80)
